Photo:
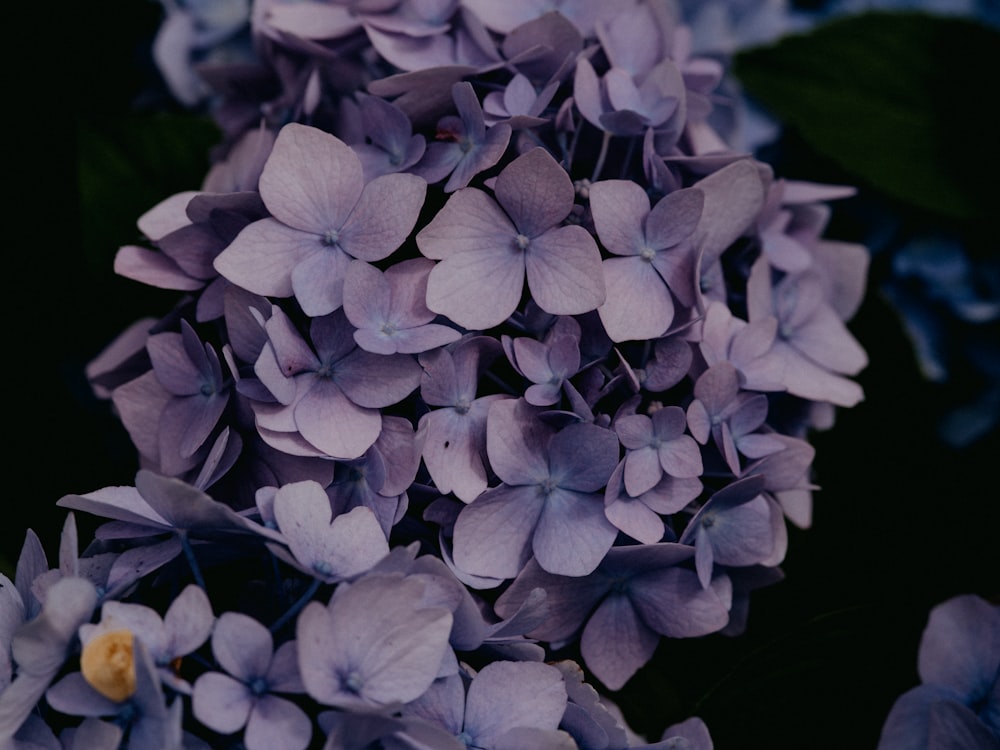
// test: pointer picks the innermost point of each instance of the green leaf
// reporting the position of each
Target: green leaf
(899, 100)
(129, 164)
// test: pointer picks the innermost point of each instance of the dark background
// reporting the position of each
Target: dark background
(901, 523)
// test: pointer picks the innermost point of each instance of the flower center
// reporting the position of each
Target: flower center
(353, 682)
(463, 406)
(331, 237)
(258, 686)
(108, 666)
(647, 254)
(522, 242)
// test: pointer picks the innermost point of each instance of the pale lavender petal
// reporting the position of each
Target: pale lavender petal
(535, 192)
(960, 646)
(573, 534)
(681, 457)
(262, 257)
(642, 470)
(619, 208)
(582, 456)
(318, 280)
(493, 534)
(153, 268)
(277, 722)
(375, 380)
(638, 305)
(188, 620)
(383, 217)
(734, 196)
(333, 423)
(673, 603)
(516, 441)
(564, 271)
(492, 707)
(674, 218)
(220, 702)
(616, 643)
(477, 289)
(241, 645)
(311, 180)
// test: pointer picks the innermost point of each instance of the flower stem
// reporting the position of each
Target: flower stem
(297, 607)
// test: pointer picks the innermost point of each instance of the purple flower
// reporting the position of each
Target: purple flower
(374, 644)
(957, 703)
(244, 696)
(139, 705)
(454, 436)
(486, 249)
(637, 594)
(390, 144)
(815, 346)
(330, 550)
(655, 262)
(734, 527)
(464, 146)
(184, 627)
(503, 698)
(389, 311)
(329, 395)
(39, 649)
(548, 504)
(656, 445)
(324, 214)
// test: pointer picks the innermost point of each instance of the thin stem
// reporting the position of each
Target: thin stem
(297, 607)
(629, 153)
(192, 561)
(605, 141)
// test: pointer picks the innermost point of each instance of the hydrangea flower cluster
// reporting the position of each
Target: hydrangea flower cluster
(494, 366)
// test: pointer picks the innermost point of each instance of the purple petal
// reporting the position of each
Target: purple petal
(492, 707)
(334, 424)
(493, 534)
(573, 534)
(619, 209)
(277, 722)
(311, 180)
(638, 305)
(242, 646)
(616, 643)
(262, 257)
(564, 271)
(673, 603)
(383, 217)
(220, 702)
(535, 192)
(960, 646)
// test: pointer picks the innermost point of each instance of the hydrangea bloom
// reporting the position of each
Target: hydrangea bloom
(490, 346)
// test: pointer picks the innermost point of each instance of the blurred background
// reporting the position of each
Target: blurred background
(907, 515)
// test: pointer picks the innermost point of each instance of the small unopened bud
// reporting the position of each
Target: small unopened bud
(108, 666)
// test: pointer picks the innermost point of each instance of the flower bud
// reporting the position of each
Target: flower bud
(108, 665)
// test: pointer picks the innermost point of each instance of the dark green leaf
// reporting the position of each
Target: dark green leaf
(898, 99)
(128, 165)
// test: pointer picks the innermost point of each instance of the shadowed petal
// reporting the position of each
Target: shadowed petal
(493, 533)
(616, 643)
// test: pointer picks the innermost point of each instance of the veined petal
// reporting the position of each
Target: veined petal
(383, 217)
(564, 271)
(330, 421)
(312, 180)
(616, 643)
(638, 304)
(493, 533)
(262, 257)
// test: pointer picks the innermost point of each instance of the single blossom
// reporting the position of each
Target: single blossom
(487, 247)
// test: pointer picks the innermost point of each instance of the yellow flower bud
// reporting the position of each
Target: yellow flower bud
(108, 666)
